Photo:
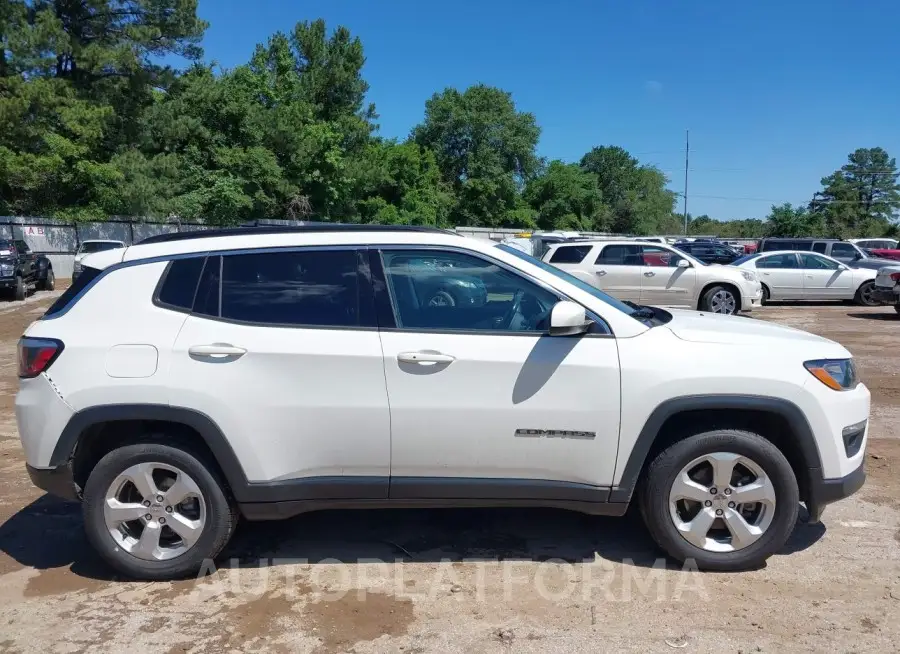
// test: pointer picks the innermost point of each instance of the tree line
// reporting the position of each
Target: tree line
(93, 123)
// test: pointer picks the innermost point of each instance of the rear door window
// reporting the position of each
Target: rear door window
(179, 283)
(819, 246)
(786, 260)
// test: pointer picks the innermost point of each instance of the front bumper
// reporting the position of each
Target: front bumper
(822, 492)
(56, 481)
(886, 295)
(7, 282)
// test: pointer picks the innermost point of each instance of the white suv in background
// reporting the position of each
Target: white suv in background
(658, 275)
(267, 372)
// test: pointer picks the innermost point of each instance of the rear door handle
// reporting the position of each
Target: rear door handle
(425, 357)
(600, 273)
(649, 273)
(216, 350)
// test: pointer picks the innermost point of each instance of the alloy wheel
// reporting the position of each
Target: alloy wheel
(722, 502)
(154, 511)
(723, 301)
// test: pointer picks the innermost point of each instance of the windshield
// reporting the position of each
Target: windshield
(584, 286)
(743, 259)
(99, 246)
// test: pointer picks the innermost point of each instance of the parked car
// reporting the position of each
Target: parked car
(710, 252)
(267, 372)
(875, 243)
(883, 253)
(810, 276)
(887, 286)
(22, 271)
(844, 251)
(657, 274)
(90, 247)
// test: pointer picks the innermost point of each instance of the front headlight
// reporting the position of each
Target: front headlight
(837, 374)
(748, 275)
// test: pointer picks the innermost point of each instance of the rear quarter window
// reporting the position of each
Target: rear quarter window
(63, 302)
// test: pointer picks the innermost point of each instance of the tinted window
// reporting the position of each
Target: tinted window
(786, 260)
(843, 251)
(570, 254)
(314, 288)
(180, 283)
(22, 247)
(62, 302)
(812, 262)
(659, 257)
(99, 246)
(620, 255)
(206, 301)
(455, 291)
(819, 247)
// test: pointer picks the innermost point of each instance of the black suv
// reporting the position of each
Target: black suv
(844, 251)
(21, 270)
(709, 252)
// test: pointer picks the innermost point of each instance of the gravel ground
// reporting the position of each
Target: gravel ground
(465, 580)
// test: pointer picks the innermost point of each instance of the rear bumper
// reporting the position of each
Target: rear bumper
(886, 295)
(823, 492)
(56, 481)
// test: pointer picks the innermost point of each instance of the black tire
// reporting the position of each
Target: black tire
(706, 302)
(864, 296)
(19, 292)
(897, 308)
(665, 468)
(221, 513)
(49, 282)
(765, 294)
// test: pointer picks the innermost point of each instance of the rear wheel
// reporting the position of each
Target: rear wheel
(49, 282)
(897, 308)
(765, 294)
(156, 512)
(865, 295)
(727, 499)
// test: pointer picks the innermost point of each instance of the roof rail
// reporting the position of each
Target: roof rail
(287, 229)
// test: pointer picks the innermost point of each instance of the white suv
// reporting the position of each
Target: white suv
(658, 274)
(267, 372)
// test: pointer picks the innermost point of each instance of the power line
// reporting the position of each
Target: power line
(743, 199)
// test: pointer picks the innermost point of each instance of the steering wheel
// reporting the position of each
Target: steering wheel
(507, 320)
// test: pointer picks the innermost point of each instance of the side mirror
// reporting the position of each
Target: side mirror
(568, 319)
(683, 263)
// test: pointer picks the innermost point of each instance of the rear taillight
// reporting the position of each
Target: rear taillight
(36, 355)
(895, 277)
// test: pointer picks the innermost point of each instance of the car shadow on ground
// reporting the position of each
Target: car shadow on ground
(893, 315)
(48, 533)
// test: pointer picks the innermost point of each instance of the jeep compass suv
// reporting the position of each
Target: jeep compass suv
(267, 372)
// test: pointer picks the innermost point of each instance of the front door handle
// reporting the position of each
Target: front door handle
(425, 358)
(216, 350)
(649, 273)
(600, 273)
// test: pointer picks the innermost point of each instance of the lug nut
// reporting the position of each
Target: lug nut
(713, 490)
(159, 498)
(146, 502)
(168, 509)
(162, 521)
(719, 512)
(148, 517)
(708, 503)
(731, 505)
(728, 491)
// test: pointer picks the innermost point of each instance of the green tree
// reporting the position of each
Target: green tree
(788, 220)
(485, 150)
(566, 197)
(862, 198)
(636, 194)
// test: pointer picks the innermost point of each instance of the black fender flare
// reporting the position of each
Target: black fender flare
(778, 406)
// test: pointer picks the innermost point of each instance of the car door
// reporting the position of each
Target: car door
(663, 282)
(781, 274)
(484, 403)
(618, 270)
(26, 260)
(824, 278)
(846, 253)
(284, 356)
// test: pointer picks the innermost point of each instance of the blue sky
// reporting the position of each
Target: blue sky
(775, 94)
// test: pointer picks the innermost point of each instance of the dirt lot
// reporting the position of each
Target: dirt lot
(469, 581)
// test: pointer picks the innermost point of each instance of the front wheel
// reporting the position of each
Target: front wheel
(865, 295)
(765, 294)
(156, 512)
(719, 299)
(19, 291)
(726, 499)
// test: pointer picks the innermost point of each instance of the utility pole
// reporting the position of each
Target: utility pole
(687, 150)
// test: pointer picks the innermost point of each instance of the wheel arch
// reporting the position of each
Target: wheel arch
(89, 428)
(778, 420)
(731, 286)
